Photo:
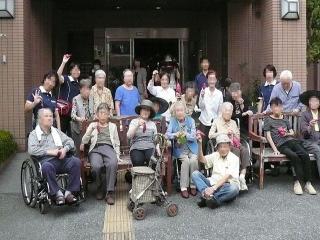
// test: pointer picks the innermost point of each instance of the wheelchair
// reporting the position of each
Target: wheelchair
(34, 187)
(250, 173)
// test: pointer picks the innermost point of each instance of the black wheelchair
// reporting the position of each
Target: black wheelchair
(35, 188)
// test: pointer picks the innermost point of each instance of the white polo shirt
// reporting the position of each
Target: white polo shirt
(223, 166)
(209, 105)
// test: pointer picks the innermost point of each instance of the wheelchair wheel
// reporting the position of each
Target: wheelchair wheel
(29, 188)
(44, 207)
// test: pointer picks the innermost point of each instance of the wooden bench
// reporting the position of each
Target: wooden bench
(125, 163)
(264, 152)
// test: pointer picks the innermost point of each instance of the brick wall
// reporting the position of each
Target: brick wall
(28, 48)
(257, 36)
(12, 74)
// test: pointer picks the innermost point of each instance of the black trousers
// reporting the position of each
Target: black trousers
(141, 157)
(65, 125)
(299, 158)
(205, 129)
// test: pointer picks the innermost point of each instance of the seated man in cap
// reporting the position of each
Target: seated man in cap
(53, 148)
(310, 123)
(223, 185)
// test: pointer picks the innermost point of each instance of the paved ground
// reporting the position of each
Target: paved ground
(20, 222)
(274, 213)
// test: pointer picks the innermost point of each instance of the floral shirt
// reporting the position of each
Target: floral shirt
(104, 97)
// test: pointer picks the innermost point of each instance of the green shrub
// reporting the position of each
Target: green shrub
(313, 21)
(7, 145)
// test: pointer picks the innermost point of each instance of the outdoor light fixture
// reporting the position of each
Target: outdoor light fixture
(290, 9)
(6, 8)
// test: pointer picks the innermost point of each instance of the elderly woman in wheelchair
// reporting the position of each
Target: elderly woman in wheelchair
(51, 154)
(182, 132)
(225, 125)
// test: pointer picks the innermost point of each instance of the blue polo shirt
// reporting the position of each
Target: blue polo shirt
(128, 99)
(290, 100)
(264, 93)
(200, 80)
(69, 89)
(48, 101)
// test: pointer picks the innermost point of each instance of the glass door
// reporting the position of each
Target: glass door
(119, 57)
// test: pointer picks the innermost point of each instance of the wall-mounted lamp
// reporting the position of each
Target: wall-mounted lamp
(290, 9)
(6, 8)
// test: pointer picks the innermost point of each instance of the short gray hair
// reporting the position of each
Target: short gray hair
(286, 74)
(127, 70)
(100, 73)
(41, 111)
(175, 105)
(226, 105)
(103, 106)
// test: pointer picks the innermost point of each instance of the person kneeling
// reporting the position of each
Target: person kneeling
(223, 185)
(104, 151)
(53, 148)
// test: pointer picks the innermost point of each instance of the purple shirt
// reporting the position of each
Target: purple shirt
(200, 80)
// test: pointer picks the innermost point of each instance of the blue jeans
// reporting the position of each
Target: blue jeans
(225, 193)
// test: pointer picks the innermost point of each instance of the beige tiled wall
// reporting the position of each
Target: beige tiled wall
(27, 46)
(12, 74)
(258, 36)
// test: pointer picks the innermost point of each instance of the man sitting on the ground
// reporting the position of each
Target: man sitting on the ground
(53, 149)
(223, 185)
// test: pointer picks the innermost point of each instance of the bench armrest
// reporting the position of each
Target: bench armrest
(257, 138)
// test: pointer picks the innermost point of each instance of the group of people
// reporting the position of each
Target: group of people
(223, 118)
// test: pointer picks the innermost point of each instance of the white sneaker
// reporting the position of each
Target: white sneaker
(243, 184)
(297, 188)
(310, 189)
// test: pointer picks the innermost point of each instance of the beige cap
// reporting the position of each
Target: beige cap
(222, 138)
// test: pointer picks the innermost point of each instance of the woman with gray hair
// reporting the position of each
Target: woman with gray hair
(182, 132)
(82, 110)
(100, 93)
(225, 125)
(104, 151)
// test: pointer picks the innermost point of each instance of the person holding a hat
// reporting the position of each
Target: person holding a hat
(223, 185)
(182, 132)
(160, 106)
(164, 91)
(310, 123)
(141, 131)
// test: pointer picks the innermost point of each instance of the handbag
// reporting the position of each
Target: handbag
(64, 107)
